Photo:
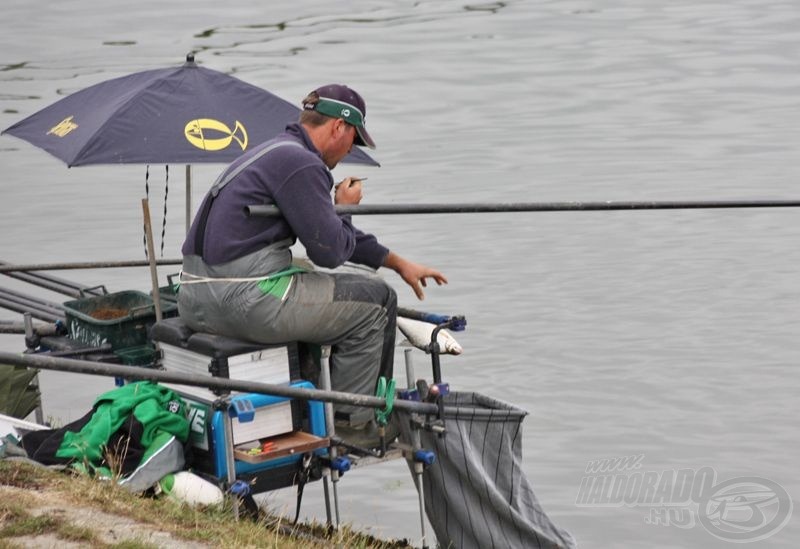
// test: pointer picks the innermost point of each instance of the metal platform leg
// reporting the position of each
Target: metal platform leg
(416, 445)
(30, 336)
(325, 382)
(230, 464)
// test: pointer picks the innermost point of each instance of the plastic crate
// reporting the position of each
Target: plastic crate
(167, 293)
(121, 319)
(140, 355)
(168, 296)
(170, 291)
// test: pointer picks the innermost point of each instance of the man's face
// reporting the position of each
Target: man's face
(343, 135)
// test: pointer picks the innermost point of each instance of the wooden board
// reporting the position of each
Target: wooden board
(289, 444)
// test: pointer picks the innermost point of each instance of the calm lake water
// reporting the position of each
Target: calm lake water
(670, 336)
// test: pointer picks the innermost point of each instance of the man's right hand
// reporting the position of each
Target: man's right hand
(348, 192)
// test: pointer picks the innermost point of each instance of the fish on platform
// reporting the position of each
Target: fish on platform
(419, 335)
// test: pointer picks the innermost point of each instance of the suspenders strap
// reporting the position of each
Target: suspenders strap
(225, 178)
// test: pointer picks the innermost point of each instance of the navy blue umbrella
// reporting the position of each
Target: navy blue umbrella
(180, 115)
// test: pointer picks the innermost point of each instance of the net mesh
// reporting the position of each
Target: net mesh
(476, 493)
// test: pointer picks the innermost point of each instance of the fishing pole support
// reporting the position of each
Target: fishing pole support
(340, 464)
(242, 494)
(422, 458)
(34, 333)
(438, 390)
(385, 390)
(421, 391)
(332, 520)
(454, 323)
(31, 337)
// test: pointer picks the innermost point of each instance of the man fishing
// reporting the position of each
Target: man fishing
(238, 279)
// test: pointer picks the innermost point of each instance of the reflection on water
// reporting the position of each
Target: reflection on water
(671, 335)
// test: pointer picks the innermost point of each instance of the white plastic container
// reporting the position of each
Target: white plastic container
(190, 488)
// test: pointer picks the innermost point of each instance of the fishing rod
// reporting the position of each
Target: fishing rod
(258, 210)
(36, 312)
(11, 327)
(7, 268)
(59, 285)
(25, 299)
(138, 373)
(41, 309)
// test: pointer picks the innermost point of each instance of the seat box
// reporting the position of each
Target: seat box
(188, 352)
(271, 416)
(185, 351)
(274, 417)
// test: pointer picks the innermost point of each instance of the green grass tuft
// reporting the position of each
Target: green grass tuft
(212, 527)
(30, 526)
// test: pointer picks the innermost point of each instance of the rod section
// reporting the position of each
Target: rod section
(85, 265)
(11, 327)
(21, 304)
(28, 299)
(138, 373)
(49, 282)
(258, 210)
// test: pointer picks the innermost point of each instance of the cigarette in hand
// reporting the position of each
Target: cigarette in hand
(352, 180)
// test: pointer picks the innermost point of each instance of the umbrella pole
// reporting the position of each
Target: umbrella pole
(148, 230)
(188, 197)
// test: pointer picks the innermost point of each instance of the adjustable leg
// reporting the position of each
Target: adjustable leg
(30, 339)
(230, 465)
(325, 382)
(416, 445)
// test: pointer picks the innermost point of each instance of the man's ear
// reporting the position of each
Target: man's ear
(340, 126)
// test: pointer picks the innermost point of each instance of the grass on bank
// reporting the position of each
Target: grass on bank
(23, 484)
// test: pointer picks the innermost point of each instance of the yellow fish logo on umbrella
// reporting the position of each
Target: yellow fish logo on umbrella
(212, 135)
(64, 127)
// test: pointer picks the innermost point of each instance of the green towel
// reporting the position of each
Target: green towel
(158, 409)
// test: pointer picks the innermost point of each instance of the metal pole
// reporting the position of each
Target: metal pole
(59, 285)
(29, 333)
(327, 496)
(225, 384)
(29, 338)
(86, 265)
(11, 327)
(330, 427)
(34, 304)
(411, 381)
(390, 209)
(22, 298)
(416, 444)
(151, 254)
(230, 463)
(188, 197)
(138, 373)
(40, 313)
(258, 210)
